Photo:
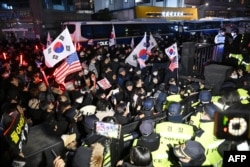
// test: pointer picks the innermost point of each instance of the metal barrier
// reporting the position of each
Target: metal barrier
(204, 54)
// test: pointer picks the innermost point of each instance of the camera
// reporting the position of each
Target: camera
(232, 125)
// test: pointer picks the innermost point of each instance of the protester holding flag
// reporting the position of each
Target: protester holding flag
(139, 54)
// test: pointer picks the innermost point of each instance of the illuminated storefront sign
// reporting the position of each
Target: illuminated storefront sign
(171, 14)
(168, 13)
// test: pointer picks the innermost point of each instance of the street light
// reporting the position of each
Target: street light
(200, 10)
(204, 5)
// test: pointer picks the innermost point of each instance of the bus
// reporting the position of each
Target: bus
(99, 31)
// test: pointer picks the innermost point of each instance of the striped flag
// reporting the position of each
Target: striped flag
(172, 53)
(70, 65)
(112, 38)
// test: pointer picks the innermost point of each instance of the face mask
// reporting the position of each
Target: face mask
(85, 72)
(155, 73)
(138, 72)
(234, 76)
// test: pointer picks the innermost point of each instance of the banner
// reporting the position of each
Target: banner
(59, 49)
(104, 83)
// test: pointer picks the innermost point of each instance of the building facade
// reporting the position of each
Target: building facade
(47, 15)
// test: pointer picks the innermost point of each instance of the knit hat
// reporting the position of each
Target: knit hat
(67, 139)
(89, 156)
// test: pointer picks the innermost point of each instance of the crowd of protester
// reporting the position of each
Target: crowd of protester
(28, 88)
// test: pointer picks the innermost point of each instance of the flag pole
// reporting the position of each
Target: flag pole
(44, 77)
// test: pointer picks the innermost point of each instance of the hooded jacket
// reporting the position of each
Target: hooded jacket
(89, 156)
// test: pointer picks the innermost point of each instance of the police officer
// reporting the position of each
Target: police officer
(173, 96)
(148, 137)
(148, 108)
(205, 135)
(171, 133)
(205, 97)
(190, 153)
(235, 48)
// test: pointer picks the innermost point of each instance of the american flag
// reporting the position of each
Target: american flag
(174, 64)
(172, 53)
(70, 65)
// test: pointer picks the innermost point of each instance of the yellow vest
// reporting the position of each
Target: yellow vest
(170, 99)
(195, 119)
(210, 143)
(243, 95)
(239, 57)
(174, 133)
(159, 156)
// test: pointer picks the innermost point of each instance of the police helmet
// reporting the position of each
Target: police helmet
(205, 96)
(148, 104)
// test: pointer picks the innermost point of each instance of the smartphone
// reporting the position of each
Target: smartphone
(108, 129)
(53, 153)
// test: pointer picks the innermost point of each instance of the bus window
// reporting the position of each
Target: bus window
(136, 29)
(86, 31)
(121, 30)
(153, 29)
(101, 31)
